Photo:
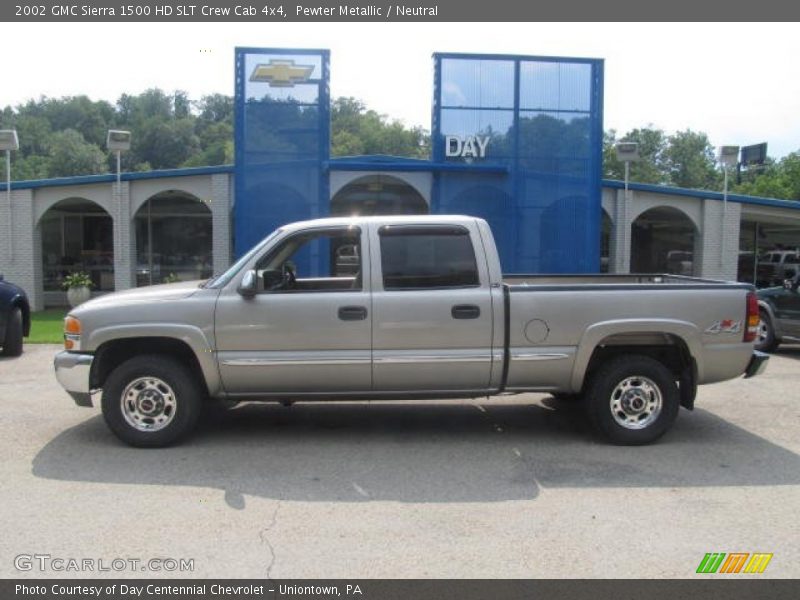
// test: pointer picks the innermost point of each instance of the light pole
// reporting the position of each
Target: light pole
(728, 156)
(8, 142)
(627, 152)
(118, 141)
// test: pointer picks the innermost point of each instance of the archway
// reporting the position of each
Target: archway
(77, 235)
(378, 195)
(663, 241)
(173, 239)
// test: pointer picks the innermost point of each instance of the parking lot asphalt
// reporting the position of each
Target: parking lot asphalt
(509, 487)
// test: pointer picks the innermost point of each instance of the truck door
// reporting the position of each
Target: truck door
(432, 309)
(308, 328)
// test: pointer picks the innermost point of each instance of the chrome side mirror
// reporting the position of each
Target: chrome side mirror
(248, 284)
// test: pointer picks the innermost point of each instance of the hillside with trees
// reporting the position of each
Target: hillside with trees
(66, 136)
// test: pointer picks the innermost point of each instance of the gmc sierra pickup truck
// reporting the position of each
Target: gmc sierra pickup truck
(423, 312)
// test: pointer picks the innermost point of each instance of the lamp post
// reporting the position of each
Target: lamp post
(728, 156)
(8, 142)
(118, 141)
(627, 152)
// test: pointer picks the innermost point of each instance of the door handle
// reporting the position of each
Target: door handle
(353, 313)
(465, 311)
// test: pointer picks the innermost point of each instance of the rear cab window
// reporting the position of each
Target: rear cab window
(415, 257)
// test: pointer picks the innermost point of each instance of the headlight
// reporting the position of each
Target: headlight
(72, 333)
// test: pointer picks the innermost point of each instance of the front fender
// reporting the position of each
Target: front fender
(192, 336)
(688, 332)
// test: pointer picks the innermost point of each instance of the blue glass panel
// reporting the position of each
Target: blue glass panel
(545, 213)
(497, 125)
(281, 139)
(478, 83)
(555, 86)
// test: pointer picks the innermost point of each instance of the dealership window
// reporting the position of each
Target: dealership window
(173, 239)
(769, 252)
(77, 235)
(427, 257)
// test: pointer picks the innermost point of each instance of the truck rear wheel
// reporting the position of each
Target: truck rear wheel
(151, 401)
(632, 400)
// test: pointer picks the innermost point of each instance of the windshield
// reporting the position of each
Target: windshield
(222, 280)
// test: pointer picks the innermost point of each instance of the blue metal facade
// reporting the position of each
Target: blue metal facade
(282, 143)
(516, 140)
(542, 118)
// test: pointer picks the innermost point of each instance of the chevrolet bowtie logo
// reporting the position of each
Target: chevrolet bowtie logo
(281, 73)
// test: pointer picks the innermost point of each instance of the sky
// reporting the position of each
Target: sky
(738, 83)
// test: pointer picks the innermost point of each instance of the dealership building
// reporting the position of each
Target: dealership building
(516, 140)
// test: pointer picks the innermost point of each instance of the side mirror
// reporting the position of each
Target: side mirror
(248, 284)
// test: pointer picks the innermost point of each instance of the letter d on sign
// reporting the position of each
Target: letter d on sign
(452, 145)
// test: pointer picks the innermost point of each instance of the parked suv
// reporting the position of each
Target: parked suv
(15, 318)
(779, 308)
(782, 265)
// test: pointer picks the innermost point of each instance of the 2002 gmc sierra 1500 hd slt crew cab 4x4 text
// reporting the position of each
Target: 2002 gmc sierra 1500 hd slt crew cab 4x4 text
(425, 313)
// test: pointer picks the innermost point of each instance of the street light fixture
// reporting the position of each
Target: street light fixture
(118, 141)
(8, 142)
(627, 152)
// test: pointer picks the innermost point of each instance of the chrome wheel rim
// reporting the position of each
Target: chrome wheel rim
(636, 402)
(148, 404)
(763, 332)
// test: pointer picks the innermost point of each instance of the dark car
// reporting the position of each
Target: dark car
(15, 318)
(779, 308)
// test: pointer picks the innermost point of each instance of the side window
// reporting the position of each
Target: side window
(324, 260)
(427, 257)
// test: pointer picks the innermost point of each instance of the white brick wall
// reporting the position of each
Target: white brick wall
(718, 253)
(221, 203)
(124, 238)
(620, 248)
(20, 255)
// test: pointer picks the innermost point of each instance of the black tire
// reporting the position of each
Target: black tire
(766, 341)
(12, 344)
(167, 381)
(648, 380)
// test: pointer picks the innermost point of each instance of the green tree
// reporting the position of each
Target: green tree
(688, 161)
(358, 130)
(649, 168)
(71, 154)
(776, 179)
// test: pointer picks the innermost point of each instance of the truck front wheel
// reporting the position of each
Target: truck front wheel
(632, 400)
(151, 401)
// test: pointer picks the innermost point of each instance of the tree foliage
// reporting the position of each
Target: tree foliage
(66, 136)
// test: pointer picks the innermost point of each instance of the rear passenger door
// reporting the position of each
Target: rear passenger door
(432, 313)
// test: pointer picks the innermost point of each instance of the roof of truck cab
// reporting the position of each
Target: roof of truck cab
(387, 220)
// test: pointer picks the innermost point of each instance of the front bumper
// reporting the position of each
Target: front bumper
(757, 364)
(72, 372)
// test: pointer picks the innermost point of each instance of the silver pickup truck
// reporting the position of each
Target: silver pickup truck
(425, 312)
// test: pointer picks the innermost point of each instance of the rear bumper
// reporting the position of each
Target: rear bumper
(72, 372)
(757, 364)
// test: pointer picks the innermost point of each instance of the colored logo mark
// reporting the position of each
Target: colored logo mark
(281, 73)
(734, 562)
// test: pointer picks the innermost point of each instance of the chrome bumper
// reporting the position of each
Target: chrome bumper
(72, 372)
(757, 364)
